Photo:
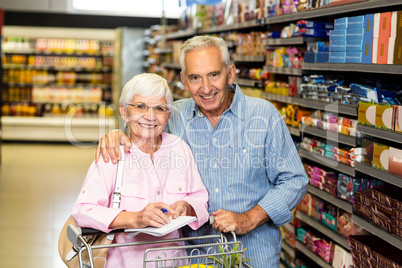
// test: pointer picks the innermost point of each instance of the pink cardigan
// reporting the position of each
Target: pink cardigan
(171, 177)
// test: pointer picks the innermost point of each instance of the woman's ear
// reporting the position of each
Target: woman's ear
(123, 113)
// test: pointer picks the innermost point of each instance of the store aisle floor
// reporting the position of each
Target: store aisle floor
(38, 186)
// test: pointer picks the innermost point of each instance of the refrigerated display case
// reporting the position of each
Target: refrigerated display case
(57, 83)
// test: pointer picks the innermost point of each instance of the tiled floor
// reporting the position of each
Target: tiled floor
(38, 186)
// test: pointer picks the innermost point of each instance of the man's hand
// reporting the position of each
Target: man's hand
(109, 145)
(240, 223)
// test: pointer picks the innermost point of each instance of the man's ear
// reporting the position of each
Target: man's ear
(183, 81)
(232, 74)
(123, 113)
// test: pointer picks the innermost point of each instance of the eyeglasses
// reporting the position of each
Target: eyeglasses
(142, 108)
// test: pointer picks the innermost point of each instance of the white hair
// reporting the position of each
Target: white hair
(146, 85)
(204, 41)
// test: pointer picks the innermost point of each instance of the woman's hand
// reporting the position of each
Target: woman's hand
(109, 146)
(182, 208)
(151, 215)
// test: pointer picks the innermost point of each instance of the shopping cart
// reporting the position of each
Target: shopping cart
(218, 251)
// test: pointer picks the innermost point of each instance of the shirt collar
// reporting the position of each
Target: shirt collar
(235, 107)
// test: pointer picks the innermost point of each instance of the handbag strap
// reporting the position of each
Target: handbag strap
(119, 179)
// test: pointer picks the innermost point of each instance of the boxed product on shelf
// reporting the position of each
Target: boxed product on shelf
(390, 197)
(397, 118)
(383, 116)
(368, 39)
(395, 161)
(381, 156)
(374, 251)
(367, 113)
(383, 37)
(342, 258)
(329, 216)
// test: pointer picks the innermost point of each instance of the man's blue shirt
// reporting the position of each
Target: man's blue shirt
(248, 159)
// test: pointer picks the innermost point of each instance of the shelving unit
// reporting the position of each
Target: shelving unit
(329, 13)
(171, 66)
(380, 133)
(314, 257)
(335, 11)
(343, 204)
(375, 230)
(341, 240)
(284, 71)
(294, 131)
(379, 174)
(325, 161)
(289, 249)
(314, 104)
(60, 129)
(329, 135)
(56, 67)
(247, 58)
(354, 67)
(249, 82)
(284, 41)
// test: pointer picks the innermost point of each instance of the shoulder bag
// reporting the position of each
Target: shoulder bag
(68, 252)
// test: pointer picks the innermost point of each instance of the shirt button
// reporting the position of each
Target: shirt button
(216, 189)
(158, 192)
(244, 150)
(214, 139)
(215, 165)
(180, 189)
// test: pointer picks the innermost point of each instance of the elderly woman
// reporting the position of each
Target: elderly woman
(159, 173)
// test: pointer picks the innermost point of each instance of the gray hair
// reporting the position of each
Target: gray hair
(204, 41)
(146, 85)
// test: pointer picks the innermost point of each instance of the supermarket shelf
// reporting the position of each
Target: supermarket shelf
(55, 85)
(329, 106)
(379, 174)
(339, 239)
(171, 66)
(285, 71)
(163, 50)
(65, 129)
(177, 35)
(330, 198)
(294, 131)
(236, 26)
(248, 58)
(339, 11)
(380, 133)
(325, 161)
(56, 68)
(280, 98)
(313, 104)
(290, 227)
(329, 135)
(378, 231)
(289, 249)
(354, 67)
(283, 41)
(249, 82)
(314, 257)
